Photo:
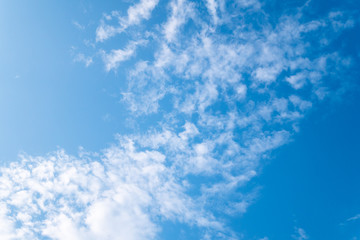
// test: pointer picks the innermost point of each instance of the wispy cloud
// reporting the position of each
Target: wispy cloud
(135, 14)
(78, 25)
(80, 57)
(226, 88)
(212, 7)
(181, 10)
(215, 87)
(356, 217)
(115, 57)
(300, 234)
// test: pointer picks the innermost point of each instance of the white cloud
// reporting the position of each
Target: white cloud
(300, 234)
(356, 217)
(119, 195)
(267, 74)
(212, 6)
(298, 80)
(115, 57)
(181, 10)
(146, 85)
(219, 110)
(78, 25)
(82, 58)
(339, 22)
(298, 102)
(140, 11)
(104, 32)
(6, 224)
(135, 14)
(249, 3)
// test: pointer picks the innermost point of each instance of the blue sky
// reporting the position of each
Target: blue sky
(179, 120)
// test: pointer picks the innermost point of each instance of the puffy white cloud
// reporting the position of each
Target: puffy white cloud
(119, 195)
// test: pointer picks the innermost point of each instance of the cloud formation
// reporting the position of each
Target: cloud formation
(135, 14)
(356, 217)
(119, 194)
(300, 234)
(115, 57)
(227, 91)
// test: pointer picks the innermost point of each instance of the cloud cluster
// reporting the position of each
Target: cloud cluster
(227, 88)
(120, 194)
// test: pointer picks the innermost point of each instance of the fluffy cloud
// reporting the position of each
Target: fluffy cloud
(119, 194)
